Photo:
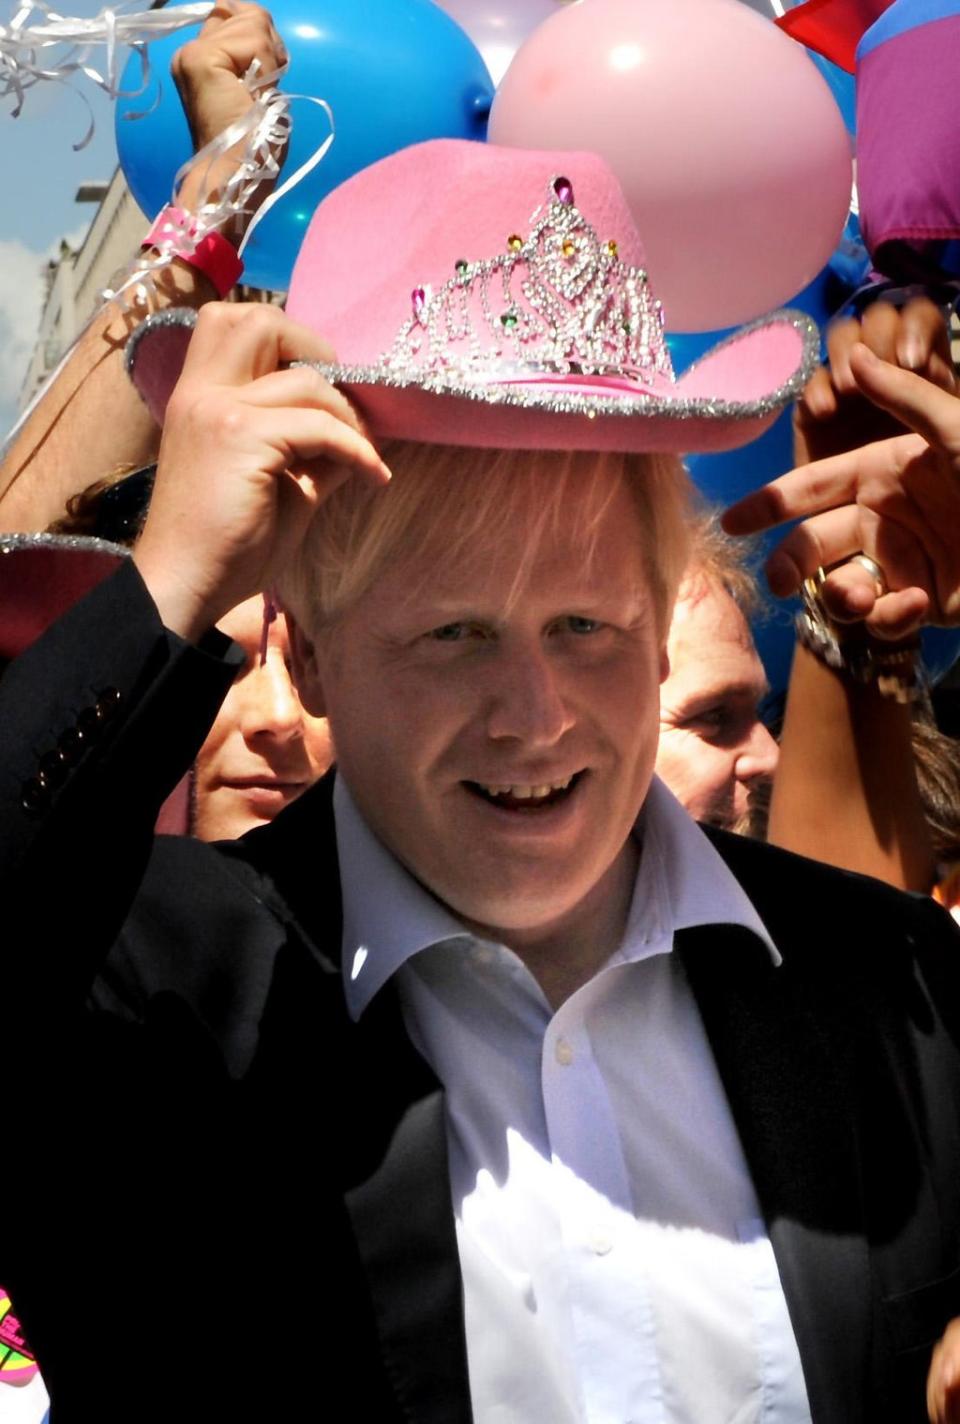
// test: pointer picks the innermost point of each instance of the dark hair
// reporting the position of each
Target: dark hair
(112, 508)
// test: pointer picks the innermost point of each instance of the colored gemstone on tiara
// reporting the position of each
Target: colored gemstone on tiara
(418, 298)
(568, 248)
(564, 191)
(514, 242)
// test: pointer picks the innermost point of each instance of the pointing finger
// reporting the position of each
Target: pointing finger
(915, 402)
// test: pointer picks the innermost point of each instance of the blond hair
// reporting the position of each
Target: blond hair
(448, 504)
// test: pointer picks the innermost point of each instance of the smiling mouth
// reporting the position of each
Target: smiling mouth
(525, 798)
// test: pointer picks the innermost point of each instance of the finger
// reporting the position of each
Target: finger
(915, 402)
(819, 398)
(816, 543)
(879, 331)
(849, 593)
(825, 540)
(842, 334)
(824, 484)
(303, 436)
(923, 337)
(302, 386)
(233, 344)
(898, 615)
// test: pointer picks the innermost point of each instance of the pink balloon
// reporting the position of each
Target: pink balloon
(730, 148)
(499, 27)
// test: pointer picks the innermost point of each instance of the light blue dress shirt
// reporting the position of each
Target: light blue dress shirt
(615, 1264)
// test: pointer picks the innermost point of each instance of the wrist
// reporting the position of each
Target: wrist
(177, 233)
(181, 607)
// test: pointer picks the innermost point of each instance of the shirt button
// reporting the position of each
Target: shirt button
(563, 1052)
(601, 1245)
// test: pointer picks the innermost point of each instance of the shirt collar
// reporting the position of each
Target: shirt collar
(388, 916)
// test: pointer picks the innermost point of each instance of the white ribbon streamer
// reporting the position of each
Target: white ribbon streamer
(265, 128)
(266, 122)
(56, 48)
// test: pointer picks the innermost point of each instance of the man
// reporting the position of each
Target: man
(714, 753)
(480, 1084)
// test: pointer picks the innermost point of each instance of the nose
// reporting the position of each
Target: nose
(758, 756)
(272, 708)
(528, 703)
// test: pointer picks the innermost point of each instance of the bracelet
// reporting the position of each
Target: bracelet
(175, 233)
(893, 666)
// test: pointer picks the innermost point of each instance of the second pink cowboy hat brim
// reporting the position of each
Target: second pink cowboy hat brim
(498, 297)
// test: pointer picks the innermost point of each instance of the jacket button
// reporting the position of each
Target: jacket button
(53, 767)
(90, 721)
(35, 794)
(108, 701)
(71, 744)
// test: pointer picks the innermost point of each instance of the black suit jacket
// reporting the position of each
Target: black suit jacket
(227, 1201)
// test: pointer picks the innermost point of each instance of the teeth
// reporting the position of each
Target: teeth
(528, 793)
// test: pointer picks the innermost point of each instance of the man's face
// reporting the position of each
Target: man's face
(502, 748)
(713, 747)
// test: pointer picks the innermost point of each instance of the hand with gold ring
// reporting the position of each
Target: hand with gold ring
(895, 501)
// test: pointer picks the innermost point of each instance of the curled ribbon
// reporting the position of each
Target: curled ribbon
(33, 53)
(265, 128)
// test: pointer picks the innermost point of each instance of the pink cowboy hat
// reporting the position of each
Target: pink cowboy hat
(498, 297)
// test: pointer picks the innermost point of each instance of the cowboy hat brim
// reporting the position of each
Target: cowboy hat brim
(725, 399)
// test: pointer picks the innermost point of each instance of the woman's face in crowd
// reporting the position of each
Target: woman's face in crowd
(264, 748)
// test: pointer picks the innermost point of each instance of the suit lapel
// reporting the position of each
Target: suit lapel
(791, 1112)
(391, 1131)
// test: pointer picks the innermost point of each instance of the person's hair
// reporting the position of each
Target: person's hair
(113, 507)
(452, 505)
(937, 760)
(718, 559)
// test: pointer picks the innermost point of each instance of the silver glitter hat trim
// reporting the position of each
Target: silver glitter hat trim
(73, 543)
(552, 398)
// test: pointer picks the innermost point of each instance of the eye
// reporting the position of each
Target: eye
(709, 721)
(575, 624)
(450, 632)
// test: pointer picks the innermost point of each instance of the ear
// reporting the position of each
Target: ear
(306, 671)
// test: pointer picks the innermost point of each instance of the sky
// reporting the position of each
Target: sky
(39, 175)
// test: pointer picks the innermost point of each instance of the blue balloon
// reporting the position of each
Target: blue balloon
(394, 72)
(842, 86)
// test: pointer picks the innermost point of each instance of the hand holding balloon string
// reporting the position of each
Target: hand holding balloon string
(240, 131)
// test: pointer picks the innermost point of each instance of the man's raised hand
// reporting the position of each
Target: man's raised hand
(897, 500)
(249, 451)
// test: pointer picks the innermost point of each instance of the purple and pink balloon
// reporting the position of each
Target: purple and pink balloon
(728, 143)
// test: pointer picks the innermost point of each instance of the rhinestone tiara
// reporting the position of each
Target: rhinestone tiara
(558, 302)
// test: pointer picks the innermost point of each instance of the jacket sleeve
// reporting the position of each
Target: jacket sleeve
(99, 719)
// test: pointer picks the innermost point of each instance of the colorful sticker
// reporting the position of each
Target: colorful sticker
(17, 1365)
